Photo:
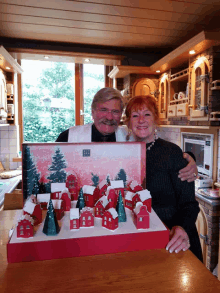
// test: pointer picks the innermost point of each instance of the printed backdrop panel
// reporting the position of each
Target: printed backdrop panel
(90, 162)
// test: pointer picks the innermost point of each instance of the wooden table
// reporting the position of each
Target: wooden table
(140, 271)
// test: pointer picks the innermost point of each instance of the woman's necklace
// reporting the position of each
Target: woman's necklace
(153, 142)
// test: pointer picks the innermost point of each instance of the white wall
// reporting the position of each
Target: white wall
(9, 146)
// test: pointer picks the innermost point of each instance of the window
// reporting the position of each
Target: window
(48, 99)
(83, 218)
(89, 218)
(109, 219)
(93, 80)
(48, 95)
(21, 227)
(27, 227)
(140, 219)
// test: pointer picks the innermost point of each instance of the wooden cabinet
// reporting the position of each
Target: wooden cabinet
(199, 88)
(164, 96)
(202, 228)
(3, 98)
(9, 69)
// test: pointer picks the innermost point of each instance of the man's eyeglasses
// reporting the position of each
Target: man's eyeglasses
(114, 113)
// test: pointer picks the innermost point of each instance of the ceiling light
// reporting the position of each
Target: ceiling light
(46, 57)
(87, 60)
(8, 67)
(158, 71)
(192, 52)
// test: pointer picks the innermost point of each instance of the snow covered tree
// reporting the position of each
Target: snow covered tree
(122, 176)
(58, 164)
(121, 209)
(51, 226)
(30, 174)
(80, 202)
(95, 180)
(108, 179)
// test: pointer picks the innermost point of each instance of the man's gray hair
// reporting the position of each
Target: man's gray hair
(106, 94)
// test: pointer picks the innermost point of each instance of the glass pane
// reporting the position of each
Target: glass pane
(93, 80)
(48, 99)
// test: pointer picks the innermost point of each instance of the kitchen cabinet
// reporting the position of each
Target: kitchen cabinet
(200, 88)
(9, 69)
(164, 97)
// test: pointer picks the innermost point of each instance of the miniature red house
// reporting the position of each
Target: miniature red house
(58, 205)
(141, 216)
(134, 186)
(100, 206)
(43, 199)
(112, 197)
(56, 190)
(74, 218)
(86, 217)
(128, 200)
(110, 219)
(102, 188)
(65, 196)
(34, 210)
(90, 195)
(25, 227)
(118, 185)
(145, 198)
(71, 184)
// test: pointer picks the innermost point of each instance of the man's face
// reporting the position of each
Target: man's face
(107, 116)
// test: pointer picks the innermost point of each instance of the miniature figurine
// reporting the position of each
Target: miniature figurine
(121, 209)
(25, 227)
(51, 226)
(74, 218)
(110, 219)
(86, 217)
(141, 216)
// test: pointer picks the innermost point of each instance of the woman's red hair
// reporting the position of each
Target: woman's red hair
(138, 103)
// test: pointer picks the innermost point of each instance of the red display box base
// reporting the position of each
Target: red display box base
(88, 241)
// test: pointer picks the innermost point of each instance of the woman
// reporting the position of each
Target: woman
(172, 199)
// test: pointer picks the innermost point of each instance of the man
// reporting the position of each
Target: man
(107, 107)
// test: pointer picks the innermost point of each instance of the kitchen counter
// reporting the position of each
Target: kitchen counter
(7, 186)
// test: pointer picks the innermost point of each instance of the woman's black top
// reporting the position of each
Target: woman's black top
(172, 199)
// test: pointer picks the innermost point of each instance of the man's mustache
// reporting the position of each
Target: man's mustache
(108, 122)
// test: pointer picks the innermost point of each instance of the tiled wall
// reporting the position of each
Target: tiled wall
(9, 146)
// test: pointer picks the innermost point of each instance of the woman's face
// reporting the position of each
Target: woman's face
(142, 124)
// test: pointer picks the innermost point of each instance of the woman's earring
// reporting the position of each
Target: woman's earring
(155, 134)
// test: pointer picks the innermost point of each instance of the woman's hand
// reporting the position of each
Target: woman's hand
(190, 172)
(179, 240)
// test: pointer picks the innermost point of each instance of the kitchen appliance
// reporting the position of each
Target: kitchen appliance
(201, 145)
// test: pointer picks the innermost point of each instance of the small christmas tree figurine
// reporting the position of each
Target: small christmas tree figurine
(80, 202)
(120, 209)
(51, 226)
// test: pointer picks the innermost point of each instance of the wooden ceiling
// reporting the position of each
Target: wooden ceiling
(120, 23)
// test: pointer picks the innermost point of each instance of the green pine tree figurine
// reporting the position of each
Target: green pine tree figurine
(51, 226)
(80, 202)
(120, 209)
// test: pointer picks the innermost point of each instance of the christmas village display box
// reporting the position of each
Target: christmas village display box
(84, 199)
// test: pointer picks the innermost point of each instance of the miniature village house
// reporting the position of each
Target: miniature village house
(66, 197)
(86, 217)
(141, 216)
(143, 196)
(128, 200)
(110, 219)
(100, 206)
(34, 210)
(91, 195)
(43, 199)
(112, 197)
(74, 218)
(25, 227)
(58, 206)
(102, 187)
(134, 186)
(71, 184)
(118, 185)
(56, 190)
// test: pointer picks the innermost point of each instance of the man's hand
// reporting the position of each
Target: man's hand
(179, 240)
(190, 172)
